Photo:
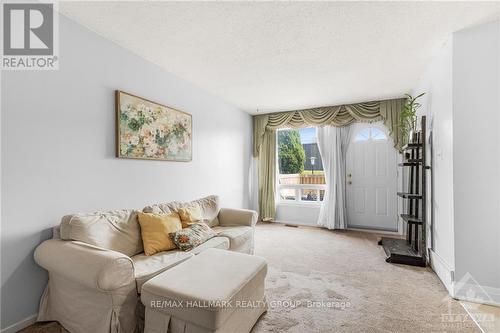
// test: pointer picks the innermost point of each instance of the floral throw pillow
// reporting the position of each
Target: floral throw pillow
(195, 234)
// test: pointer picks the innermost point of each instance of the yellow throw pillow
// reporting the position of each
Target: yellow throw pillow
(190, 214)
(155, 230)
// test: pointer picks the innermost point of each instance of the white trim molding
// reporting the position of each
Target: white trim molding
(297, 188)
(376, 231)
(20, 324)
(443, 271)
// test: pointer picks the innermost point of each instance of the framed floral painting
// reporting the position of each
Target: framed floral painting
(148, 130)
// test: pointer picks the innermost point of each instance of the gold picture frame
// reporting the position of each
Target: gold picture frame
(149, 130)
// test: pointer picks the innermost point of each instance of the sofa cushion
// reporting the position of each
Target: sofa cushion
(147, 267)
(116, 230)
(209, 207)
(238, 236)
(216, 243)
(161, 208)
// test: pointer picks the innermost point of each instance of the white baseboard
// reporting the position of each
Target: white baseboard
(475, 293)
(443, 271)
(466, 288)
(299, 224)
(494, 294)
(376, 231)
(371, 231)
(20, 324)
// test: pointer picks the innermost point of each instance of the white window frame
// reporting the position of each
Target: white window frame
(298, 198)
(297, 187)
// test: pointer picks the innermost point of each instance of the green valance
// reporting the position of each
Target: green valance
(341, 115)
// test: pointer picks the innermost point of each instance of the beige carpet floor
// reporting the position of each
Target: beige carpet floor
(346, 271)
(338, 281)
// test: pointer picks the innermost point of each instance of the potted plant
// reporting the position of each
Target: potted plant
(408, 116)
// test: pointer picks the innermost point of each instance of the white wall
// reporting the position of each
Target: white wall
(301, 214)
(437, 105)
(462, 105)
(476, 140)
(58, 146)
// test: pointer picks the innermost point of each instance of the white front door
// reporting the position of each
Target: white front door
(371, 177)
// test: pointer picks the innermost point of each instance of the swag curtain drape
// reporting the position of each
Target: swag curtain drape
(333, 143)
(265, 126)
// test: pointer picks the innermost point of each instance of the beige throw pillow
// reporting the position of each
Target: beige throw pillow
(190, 214)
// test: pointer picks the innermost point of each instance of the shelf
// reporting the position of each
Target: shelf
(412, 146)
(412, 250)
(411, 219)
(398, 251)
(411, 162)
(409, 195)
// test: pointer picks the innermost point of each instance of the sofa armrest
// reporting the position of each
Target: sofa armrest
(91, 266)
(232, 217)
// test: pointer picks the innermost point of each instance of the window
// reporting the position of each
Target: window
(301, 177)
(370, 133)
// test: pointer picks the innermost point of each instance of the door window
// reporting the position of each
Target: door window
(370, 133)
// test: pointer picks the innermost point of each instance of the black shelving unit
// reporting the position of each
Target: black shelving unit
(412, 250)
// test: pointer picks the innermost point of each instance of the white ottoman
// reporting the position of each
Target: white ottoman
(216, 291)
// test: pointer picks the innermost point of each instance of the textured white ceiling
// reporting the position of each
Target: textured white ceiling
(275, 56)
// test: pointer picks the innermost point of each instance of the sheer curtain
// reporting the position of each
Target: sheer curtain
(333, 143)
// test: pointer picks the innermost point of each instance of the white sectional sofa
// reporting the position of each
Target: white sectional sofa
(97, 266)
